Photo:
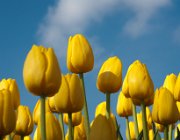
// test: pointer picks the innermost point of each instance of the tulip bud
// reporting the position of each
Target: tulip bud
(36, 112)
(148, 101)
(69, 98)
(76, 118)
(109, 78)
(132, 131)
(170, 82)
(124, 106)
(52, 105)
(24, 122)
(177, 89)
(151, 134)
(53, 131)
(41, 72)
(139, 81)
(11, 85)
(8, 116)
(164, 109)
(102, 129)
(80, 58)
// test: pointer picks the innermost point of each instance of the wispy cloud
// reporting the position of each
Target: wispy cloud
(68, 17)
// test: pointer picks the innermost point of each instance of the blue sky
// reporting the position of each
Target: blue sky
(148, 30)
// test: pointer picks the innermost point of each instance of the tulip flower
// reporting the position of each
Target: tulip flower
(76, 118)
(170, 82)
(124, 106)
(24, 122)
(8, 116)
(109, 78)
(69, 98)
(36, 112)
(132, 131)
(53, 131)
(80, 58)
(41, 72)
(102, 129)
(11, 85)
(177, 89)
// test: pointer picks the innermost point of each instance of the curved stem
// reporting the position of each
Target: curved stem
(166, 133)
(70, 126)
(144, 121)
(127, 128)
(86, 115)
(170, 132)
(61, 125)
(43, 118)
(135, 121)
(108, 101)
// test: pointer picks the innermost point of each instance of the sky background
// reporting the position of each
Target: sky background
(148, 30)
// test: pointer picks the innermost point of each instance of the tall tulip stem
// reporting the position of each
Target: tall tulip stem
(86, 115)
(22, 137)
(166, 133)
(144, 120)
(43, 118)
(61, 124)
(108, 99)
(70, 126)
(170, 132)
(135, 121)
(127, 128)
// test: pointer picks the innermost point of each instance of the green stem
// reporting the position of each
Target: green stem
(61, 125)
(70, 126)
(108, 102)
(22, 137)
(170, 132)
(127, 128)
(9, 137)
(85, 108)
(135, 121)
(144, 121)
(43, 118)
(166, 133)
(119, 137)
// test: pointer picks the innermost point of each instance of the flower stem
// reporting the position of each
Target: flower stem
(22, 137)
(135, 121)
(170, 132)
(61, 124)
(144, 120)
(43, 118)
(9, 137)
(127, 128)
(70, 126)
(108, 98)
(85, 107)
(166, 133)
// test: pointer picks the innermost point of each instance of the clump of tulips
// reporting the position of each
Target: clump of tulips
(62, 99)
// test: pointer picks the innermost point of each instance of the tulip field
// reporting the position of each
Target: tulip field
(63, 100)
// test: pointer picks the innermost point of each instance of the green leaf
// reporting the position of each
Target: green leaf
(118, 133)
(157, 136)
(140, 136)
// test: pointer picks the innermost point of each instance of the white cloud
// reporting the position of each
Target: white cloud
(68, 17)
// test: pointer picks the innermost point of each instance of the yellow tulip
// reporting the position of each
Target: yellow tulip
(53, 131)
(80, 58)
(109, 78)
(148, 101)
(170, 82)
(140, 123)
(164, 109)
(52, 105)
(159, 127)
(24, 122)
(69, 98)
(11, 85)
(8, 116)
(140, 85)
(151, 134)
(102, 129)
(76, 118)
(41, 72)
(124, 106)
(177, 89)
(36, 112)
(27, 138)
(132, 131)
